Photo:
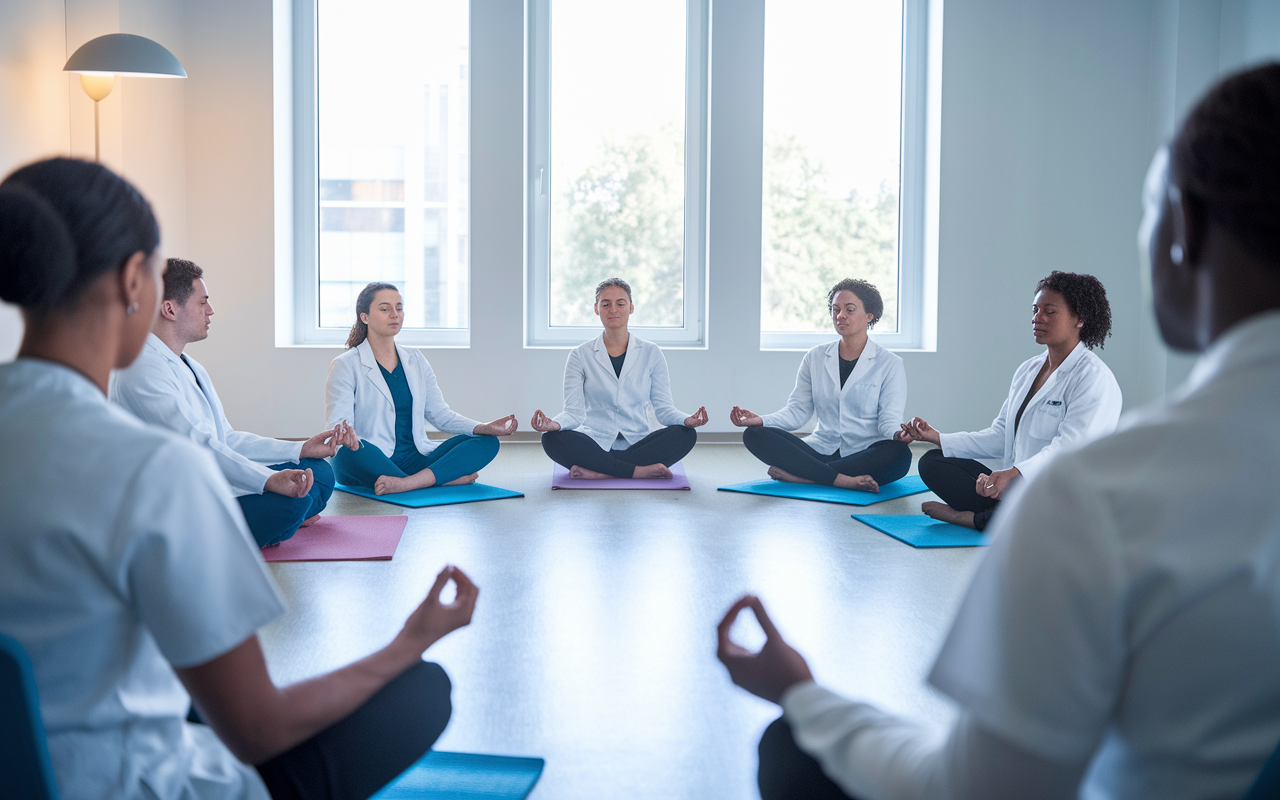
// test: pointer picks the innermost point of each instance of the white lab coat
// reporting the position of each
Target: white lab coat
(1078, 403)
(1125, 617)
(357, 392)
(122, 555)
(867, 410)
(604, 405)
(159, 388)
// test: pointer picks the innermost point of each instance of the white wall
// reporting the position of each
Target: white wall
(1051, 111)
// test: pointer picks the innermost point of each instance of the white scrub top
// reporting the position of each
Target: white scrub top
(851, 418)
(1126, 618)
(611, 408)
(122, 552)
(1078, 403)
(160, 388)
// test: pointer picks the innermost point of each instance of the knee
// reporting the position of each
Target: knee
(777, 752)
(754, 435)
(487, 445)
(432, 686)
(929, 464)
(321, 472)
(686, 434)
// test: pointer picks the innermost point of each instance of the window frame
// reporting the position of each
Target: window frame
(297, 172)
(917, 195)
(539, 333)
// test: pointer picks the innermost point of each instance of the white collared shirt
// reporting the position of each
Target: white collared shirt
(605, 405)
(356, 392)
(866, 410)
(122, 552)
(1078, 403)
(160, 388)
(1124, 624)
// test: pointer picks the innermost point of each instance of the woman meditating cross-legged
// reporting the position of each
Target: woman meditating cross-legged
(610, 383)
(386, 392)
(859, 391)
(1064, 396)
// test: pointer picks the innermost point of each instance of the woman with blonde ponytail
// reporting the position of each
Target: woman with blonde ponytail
(386, 392)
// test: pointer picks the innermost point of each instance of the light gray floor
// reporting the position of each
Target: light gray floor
(593, 642)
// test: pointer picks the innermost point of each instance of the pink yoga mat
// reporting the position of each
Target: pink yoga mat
(560, 480)
(342, 539)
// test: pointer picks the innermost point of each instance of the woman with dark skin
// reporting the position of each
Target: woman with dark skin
(1119, 638)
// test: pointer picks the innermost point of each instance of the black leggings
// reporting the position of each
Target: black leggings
(358, 755)
(885, 461)
(576, 449)
(955, 481)
(789, 773)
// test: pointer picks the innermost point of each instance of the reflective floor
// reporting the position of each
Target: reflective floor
(593, 643)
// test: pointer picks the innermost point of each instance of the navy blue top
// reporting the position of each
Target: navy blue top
(617, 363)
(403, 400)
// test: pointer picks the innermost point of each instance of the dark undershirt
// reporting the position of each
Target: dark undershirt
(617, 363)
(193, 371)
(846, 369)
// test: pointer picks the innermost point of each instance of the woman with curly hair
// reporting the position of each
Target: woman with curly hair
(858, 390)
(1064, 396)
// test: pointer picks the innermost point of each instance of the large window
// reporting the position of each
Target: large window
(617, 167)
(390, 168)
(840, 118)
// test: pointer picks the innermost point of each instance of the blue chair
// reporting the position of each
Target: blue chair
(1267, 786)
(24, 756)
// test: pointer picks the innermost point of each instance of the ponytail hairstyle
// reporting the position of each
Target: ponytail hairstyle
(360, 330)
(63, 224)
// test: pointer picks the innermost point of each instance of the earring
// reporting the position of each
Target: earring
(1175, 253)
(130, 309)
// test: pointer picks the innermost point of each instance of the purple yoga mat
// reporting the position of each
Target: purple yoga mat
(342, 539)
(560, 480)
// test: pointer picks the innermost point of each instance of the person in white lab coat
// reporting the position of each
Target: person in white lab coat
(610, 384)
(858, 390)
(280, 485)
(387, 392)
(1119, 639)
(1063, 397)
(127, 573)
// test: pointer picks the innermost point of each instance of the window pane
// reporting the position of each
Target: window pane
(393, 92)
(832, 134)
(617, 156)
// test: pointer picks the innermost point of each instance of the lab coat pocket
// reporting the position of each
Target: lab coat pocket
(864, 400)
(1044, 424)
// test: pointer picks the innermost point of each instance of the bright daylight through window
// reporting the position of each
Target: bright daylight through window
(393, 92)
(617, 186)
(832, 143)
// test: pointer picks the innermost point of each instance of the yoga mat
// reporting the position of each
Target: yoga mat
(341, 539)
(435, 495)
(830, 494)
(560, 480)
(465, 776)
(920, 531)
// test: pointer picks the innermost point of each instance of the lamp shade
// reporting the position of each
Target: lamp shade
(125, 54)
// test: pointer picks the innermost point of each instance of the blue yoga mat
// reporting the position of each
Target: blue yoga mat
(918, 530)
(465, 776)
(830, 494)
(436, 495)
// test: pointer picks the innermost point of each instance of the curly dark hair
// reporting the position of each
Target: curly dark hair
(1226, 158)
(1087, 299)
(866, 292)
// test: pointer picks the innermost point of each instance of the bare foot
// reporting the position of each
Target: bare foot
(945, 513)
(310, 521)
(465, 480)
(389, 484)
(780, 474)
(863, 483)
(653, 471)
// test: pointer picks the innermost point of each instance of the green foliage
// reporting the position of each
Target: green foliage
(623, 217)
(811, 241)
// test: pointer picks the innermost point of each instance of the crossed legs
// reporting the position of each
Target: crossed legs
(648, 458)
(791, 459)
(955, 481)
(272, 517)
(456, 460)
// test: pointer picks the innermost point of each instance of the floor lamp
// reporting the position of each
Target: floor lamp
(99, 61)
